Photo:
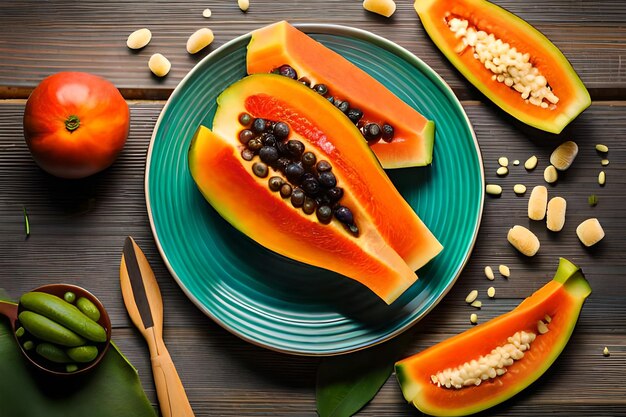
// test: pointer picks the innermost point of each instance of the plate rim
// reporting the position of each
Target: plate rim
(334, 29)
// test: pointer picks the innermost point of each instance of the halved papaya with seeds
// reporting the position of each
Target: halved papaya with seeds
(412, 138)
(507, 59)
(492, 362)
(390, 241)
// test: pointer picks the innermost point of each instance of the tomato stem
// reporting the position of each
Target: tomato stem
(72, 123)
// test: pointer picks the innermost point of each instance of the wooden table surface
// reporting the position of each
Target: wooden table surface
(78, 227)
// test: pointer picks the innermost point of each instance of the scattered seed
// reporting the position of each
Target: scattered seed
(244, 119)
(139, 38)
(502, 171)
(247, 154)
(382, 7)
(285, 191)
(477, 304)
(547, 318)
(503, 161)
(523, 240)
(590, 232)
(531, 163)
(199, 40)
(260, 169)
(372, 131)
(519, 189)
(606, 352)
(321, 89)
(564, 154)
(537, 203)
(601, 178)
(516, 162)
(275, 183)
(388, 132)
(602, 148)
(243, 5)
(555, 216)
(473, 318)
(604, 162)
(592, 200)
(542, 328)
(489, 273)
(491, 292)
(206, 13)
(504, 271)
(159, 65)
(471, 297)
(550, 175)
(493, 189)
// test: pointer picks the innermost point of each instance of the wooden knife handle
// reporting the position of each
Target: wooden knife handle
(170, 391)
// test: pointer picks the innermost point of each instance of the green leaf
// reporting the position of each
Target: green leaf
(346, 383)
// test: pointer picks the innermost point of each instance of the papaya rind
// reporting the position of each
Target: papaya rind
(568, 277)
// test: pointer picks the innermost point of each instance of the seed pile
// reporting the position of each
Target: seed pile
(372, 132)
(490, 366)
(508, 66)
(309, 183)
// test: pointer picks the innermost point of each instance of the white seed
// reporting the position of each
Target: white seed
(542, 328)
(531, 163)
(516, 162)
(503, 161)
(139, 38)
(477, 304)
(199, 40)
(504, 271)
(489, 273)
(537, 203)
(206, 13)
(590, 232)
(502, 171)
(604, 162)
(243, 5)
(519, 189)
(159, 65)
(547, 318)
(471, 296)
(474, 320)
(550, 175)
(491, 292)
(606, 352)
(382, 7)
(493, 189)
(555, 217)
(523, 240)
(602, 148)
(563, 156)
(601, 178)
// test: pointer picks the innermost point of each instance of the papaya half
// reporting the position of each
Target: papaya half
(492, 362)
(283, 168)
(508, 60)
(398, 134)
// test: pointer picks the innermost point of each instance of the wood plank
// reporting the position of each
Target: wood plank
(40, 38)
(78, 229)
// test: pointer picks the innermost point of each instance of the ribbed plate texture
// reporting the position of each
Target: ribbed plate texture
(281, 304)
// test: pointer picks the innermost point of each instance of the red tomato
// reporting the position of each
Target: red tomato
(75, 124)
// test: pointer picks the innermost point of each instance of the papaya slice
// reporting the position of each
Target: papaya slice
(508, 60)
(382, 244)
(492, 362)
(412, 140)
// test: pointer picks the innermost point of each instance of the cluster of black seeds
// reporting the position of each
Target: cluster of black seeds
(311, 184)
(372, 132)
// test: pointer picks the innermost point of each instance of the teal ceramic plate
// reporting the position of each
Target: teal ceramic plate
(280, 304)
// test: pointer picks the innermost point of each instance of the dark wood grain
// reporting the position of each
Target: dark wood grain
(43, 37)
(78, 230)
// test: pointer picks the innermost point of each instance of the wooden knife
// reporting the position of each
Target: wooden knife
(142, 298)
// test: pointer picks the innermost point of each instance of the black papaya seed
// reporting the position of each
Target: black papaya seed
(327, 179)
(311, 187)
(323, 166)
(245, 119)
(344, 107)
(344, 215)
(335, 194)
(288, 71)
(275, 183)
(324, 214)
(309, 205)
(355, 115)
(255, 144)
(305, 81)
(258, 125)
(268, 139)
(387, 132)
(372, 131)
(285, 191)
(245, 136)
(247, 154)
(260, 169)
(281, 130)
(321, 89)
(294, 172)
(308, 159)
(282, 163)
(296, 148)
(268, 154)
(297, 197)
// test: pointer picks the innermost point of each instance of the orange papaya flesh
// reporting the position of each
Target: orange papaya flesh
(243, 199)
(544, 55)
(281, 43)
(561, 299)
